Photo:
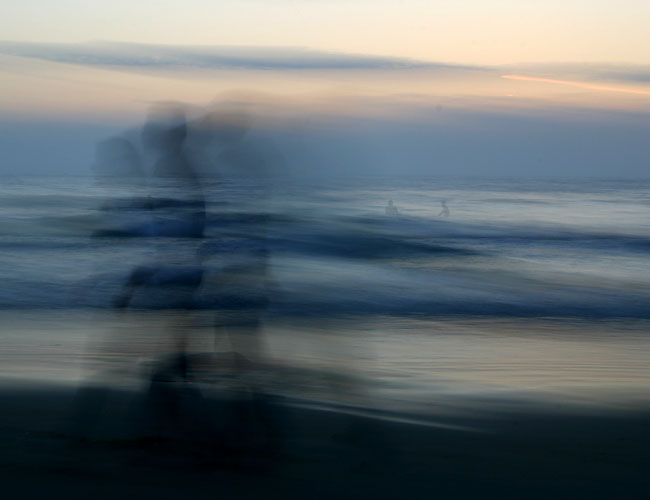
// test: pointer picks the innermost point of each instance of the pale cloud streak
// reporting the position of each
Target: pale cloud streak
(578, 84)
(184, 58)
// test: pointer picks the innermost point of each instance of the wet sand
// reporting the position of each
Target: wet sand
(326, 452)
(389, 408)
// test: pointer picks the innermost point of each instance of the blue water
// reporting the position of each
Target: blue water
(527, 290)
(509, 247)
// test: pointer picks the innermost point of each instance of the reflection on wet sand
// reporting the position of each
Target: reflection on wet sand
(478, 407)
(579, 363)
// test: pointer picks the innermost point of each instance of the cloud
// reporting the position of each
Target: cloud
(573, 83)
(591, 72)
(150, 56)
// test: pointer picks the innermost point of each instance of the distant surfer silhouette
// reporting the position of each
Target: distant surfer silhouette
(445, 209)
(391, 209)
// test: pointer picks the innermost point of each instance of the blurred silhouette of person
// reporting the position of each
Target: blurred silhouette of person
(238, 254)
(171, 220)
(174, 155)
(170, 281)
(176, 210)
(445, 209)
(238, 248)
(391, 209)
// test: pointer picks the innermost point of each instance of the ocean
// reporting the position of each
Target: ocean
(509, 289)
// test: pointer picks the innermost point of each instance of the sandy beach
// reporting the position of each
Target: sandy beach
(481, 411)
(324, 250)
(330, 453)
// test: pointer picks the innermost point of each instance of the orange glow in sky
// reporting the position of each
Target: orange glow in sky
(582, 85)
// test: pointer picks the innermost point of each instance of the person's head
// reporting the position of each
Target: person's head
(165, 128)
(226, 124)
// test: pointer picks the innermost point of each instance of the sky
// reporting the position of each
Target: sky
(467, 87)
(465, 31)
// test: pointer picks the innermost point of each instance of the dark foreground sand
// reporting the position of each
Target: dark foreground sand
(315, 451)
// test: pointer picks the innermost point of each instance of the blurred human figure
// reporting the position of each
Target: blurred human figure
(178, 203)
(172, 277)
(184, 270)
(391, 209)
(169, 225)
(237, 250)
(238, 257)
(176, 212)
(445, 210)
